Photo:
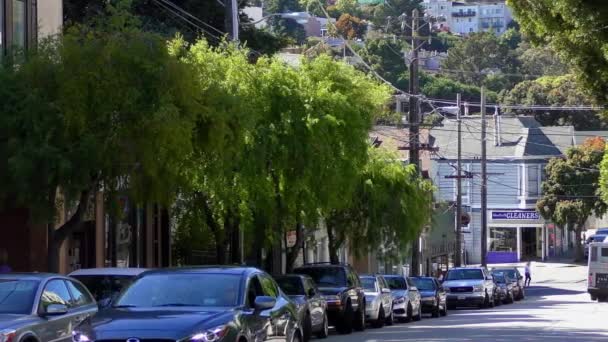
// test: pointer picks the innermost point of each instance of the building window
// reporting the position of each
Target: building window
(503, 240)
(533, 181)
(19, 24)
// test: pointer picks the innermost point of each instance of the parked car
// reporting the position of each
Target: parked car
(406, 298)
(378, 300)
(602, 231)
(516, 279)
(197, 304)
(504, 288)
(597, 285)
(42, 307)
(469, 286)
(594, 238)
(106, 283)
(311, 304)
(433, 296)
(341, 288)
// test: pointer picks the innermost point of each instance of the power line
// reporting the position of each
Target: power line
(177, 14)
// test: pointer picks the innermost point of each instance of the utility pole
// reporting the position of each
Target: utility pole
(414, 155)
(484, 182)
(458, 250)
(231, 19)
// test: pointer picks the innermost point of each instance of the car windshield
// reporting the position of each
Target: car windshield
(182, 289)
(105, 286)
(396, 283)
(17, 296)
(599, 238)
(424, 284)
(292, 286)
(499, 278)
(510, 273)
(368, 283)
(325, 276)
(465, 275)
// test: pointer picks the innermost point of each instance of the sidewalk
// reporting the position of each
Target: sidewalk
(552, 272)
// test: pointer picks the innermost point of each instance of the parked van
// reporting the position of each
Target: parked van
(598, 271)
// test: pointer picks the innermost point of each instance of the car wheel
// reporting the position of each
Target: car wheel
(324, 328)
(346, 326)
(307, 328)
(418, 316)
(379, 323)
(593, 298)
(390, 320)
(486, 302)
(409, 313)
(497, 301)
(360, 318)
(436, 311)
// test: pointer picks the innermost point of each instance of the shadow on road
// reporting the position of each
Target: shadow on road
(546, 291)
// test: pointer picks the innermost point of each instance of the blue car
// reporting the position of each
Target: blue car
(210, 304)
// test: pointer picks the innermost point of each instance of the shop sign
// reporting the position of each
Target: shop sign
(515, 215)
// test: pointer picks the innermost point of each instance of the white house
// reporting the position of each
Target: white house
(463, 18)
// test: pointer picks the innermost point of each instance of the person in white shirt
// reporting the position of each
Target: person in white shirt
(528, 273)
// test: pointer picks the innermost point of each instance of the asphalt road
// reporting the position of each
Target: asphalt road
(557, 307)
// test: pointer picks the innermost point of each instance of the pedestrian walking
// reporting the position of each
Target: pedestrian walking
(528, 272)
(4, 267)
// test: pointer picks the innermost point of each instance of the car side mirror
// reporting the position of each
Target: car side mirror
(386, 290)
(56, 310)
(264, 303)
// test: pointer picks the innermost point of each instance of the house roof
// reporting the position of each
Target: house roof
(519, 137)
(393, 138)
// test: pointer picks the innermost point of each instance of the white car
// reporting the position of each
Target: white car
(378, 300)
(406, 298)
(594, 238)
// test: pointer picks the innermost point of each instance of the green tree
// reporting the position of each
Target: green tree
(571, 191)
(348, 7)
(480, 57)
(540, 61)
(554, 91)
(575, 30)
(379, 14)
(388, 210)
(386, 58)
(106, 106)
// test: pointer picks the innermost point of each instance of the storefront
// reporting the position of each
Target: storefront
(516, 235)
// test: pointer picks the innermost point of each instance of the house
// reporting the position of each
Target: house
(465, 17)
(518, 149)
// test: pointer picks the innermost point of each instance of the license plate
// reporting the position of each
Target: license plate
(462, 297)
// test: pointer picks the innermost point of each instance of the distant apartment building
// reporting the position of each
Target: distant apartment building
(464, 18)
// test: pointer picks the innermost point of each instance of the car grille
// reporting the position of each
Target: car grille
(461, 289)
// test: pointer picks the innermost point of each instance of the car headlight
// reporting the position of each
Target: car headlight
(7, 335)
(210, 335)
(78, 337)
(478, 288)
(399, 300)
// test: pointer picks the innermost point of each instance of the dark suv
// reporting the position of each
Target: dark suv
(341, 287)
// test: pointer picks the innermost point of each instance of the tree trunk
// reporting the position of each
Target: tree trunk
(218, 233)
(56, 236)
(293, 252)
(332, 245)
(578, 246)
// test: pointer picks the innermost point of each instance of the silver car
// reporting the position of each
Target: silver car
(378, 300)
(407, 303)
(42, 307)
(470, 286)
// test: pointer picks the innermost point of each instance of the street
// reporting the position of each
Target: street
(557, 307)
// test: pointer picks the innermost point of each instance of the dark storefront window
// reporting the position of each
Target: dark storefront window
(503, 240)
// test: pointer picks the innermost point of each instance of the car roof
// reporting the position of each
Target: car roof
(392, 276)
(108, 271)
(421, 277)
(320, 265)
(467, 268)
(369, 275)
(504, 268)
(31, 276)
(234, 270)
(291, 276)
